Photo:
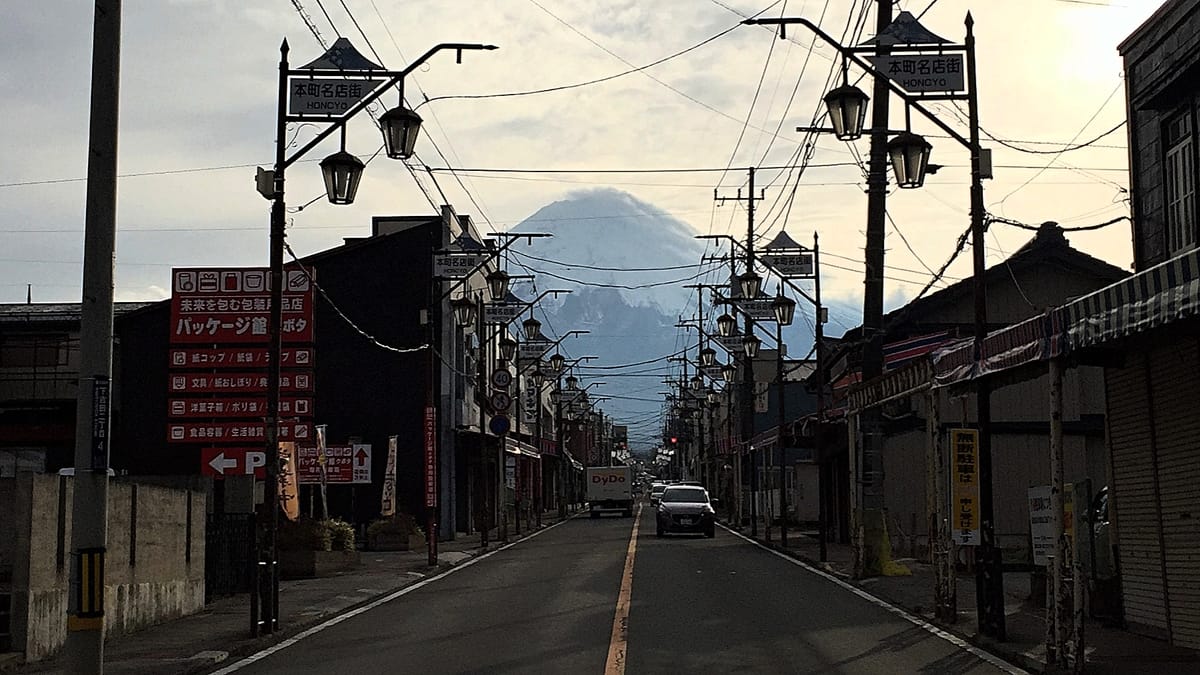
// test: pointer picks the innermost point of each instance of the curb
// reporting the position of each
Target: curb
(999, 649)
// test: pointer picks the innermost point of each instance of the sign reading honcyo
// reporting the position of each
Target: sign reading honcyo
(322, 97)
(923, 72)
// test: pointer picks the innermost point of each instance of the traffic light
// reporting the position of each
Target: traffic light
(674, 440)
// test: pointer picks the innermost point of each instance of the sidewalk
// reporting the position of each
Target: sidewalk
(220, 634)
(1108, 649)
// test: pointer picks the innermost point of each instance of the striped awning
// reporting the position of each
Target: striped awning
(1164, 294)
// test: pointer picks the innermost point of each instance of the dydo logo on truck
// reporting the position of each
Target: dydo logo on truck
(605, 479)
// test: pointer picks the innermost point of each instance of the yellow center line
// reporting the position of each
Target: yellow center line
(617, 644)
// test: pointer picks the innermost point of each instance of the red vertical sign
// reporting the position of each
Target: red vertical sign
(430, 457)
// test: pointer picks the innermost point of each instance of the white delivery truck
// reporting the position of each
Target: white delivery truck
(610, 488)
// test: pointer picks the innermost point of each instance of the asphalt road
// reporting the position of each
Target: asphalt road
(695, 605)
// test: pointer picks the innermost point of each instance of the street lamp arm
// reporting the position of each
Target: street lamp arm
(396, 77)
(849, 54)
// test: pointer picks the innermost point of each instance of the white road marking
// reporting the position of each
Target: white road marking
(258, 656)
(912, 618)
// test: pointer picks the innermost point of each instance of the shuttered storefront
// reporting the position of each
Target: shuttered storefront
(1134, 497)
(1174, 372)
(1154, 437)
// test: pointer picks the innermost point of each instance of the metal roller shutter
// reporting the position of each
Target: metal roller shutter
(1134, 498)
(1173, 372)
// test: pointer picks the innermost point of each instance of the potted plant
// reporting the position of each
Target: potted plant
(396, 533)
(315, 548)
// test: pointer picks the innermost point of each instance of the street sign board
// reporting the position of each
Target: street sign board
(791, 264)
(501, 378)
(233, 305)
(502, 312)
(344, 464)
(500, 401)
(499, 424)
(248, 406)
(238, 357)
(388, 498)
(732, 343)
(325, 97)
(234, 432)
(919, 73)
(233, 461)
(236, 383)
(456, 265)
(759, 309)
(964, 505)
(531, 351)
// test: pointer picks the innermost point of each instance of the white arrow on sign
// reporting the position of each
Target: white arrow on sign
(220, 463)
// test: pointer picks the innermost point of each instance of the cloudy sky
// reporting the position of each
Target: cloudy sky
(198, 106)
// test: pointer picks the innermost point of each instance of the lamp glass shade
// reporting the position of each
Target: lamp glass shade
(400, 127)
(342, 172)
(708, 356)
(847, 107)
(539, 378)
(910, 157)
(572, 382)
(785, 309)
(712, 397)
(508, 348)
(464, 311)
(725, 325)
(498, 284)
(697, 383)
(751, 344)
(728, 372)
(750, 284)
(556, 363)
(532, 328)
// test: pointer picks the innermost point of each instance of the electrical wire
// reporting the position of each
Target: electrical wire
(1079, 228)
(605, 269)
(1059, 151)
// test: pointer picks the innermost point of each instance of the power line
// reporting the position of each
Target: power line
(1059, 151)
(605, 269)
(630, 171)
(1079, 228)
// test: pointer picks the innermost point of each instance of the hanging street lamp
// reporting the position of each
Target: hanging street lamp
(708, 356)
(532, 328)
(750, 284)
(728, 371)
(400, 127)
(785, 309)
(342, 172)
(464, 311)
(498, 284)
(909, 153)
(508, 348)
(751, 344)
(726, 324)
(556, 362)
(847, 107)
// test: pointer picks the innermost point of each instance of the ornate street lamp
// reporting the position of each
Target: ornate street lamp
(539, 378)
(751, 344)
(847, 111)
(750, 284)
(708, 356)
(508, 348)
(785, 309)
(711, 396)
(726, 324)
(572, 382)
(464, 311)
(342, 171)
(400, 127)
(556, 362)
(532, 328)
(910, 157)
(697, 383)
(498, 284)
(729, 371)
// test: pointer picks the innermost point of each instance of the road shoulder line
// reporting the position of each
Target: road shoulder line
(619, 642)
(953, 639)
(333, 621)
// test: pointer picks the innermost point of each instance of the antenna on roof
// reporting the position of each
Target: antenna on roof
(29, 294)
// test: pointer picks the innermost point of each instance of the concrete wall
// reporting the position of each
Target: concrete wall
(8, 529)
(154, 566)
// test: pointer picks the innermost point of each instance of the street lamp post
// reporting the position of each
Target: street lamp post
(909, 155)
(341, 172)
(785, 309)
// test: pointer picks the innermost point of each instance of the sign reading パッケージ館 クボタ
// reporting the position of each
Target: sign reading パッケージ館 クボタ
(219, 354)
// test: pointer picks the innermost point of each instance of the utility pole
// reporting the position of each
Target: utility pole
(89, 512)
(871, 517)
(748, 371)
(819, 444)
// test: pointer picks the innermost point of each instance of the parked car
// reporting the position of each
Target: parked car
(686, 508)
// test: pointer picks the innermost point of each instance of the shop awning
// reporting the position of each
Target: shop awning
(515, 447)
(1164, 294)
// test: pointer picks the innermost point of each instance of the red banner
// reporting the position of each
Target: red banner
(250, 406)
(239, 357)
(236, 383)
(234, 432)
(430, 457)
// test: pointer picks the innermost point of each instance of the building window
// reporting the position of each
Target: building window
(1179, 180)
(32, 352)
